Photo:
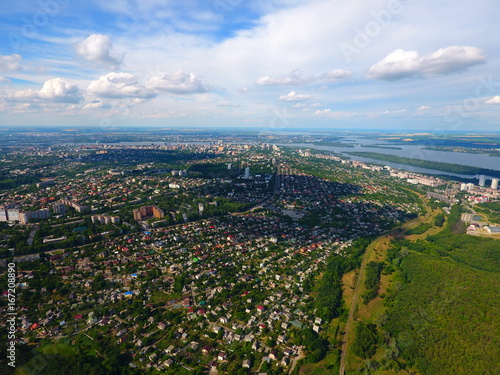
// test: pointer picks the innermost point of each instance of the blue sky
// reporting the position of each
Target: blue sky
(270, 65)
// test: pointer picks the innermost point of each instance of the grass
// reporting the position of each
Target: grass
(327, 366)
(348, 284)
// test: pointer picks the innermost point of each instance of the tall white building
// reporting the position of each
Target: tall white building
(494, 183)
(482, 180)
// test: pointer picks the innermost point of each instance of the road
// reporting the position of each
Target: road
(353, 308)
(300, 355)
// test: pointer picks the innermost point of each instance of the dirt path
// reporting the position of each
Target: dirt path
(366, 257)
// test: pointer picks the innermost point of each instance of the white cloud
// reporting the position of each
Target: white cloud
(54, 90)
(3, 79)
(423, 108)
(59, 90)
(494, 100)
(336, 75)
(322, 112)
(401, 64)
(97, 49)
(118, 86)
(97, 104)
(292, 96)
(9, 63)
(180, 82)
(395, 111)
(294, 78)
(243, 90)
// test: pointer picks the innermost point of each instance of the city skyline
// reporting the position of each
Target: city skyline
(264, 65)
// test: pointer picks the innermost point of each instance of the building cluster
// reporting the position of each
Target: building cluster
(41, 214)
(477, 194)
(105, 219)
(148, 212)
(227, 291)
(242, 281)
(415, 178)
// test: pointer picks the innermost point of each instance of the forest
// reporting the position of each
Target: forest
(443, 309)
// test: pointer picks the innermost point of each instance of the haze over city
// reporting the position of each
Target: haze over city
(258, 64)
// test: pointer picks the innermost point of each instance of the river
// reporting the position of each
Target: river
(410, 151)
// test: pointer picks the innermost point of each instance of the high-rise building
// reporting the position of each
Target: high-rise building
(482, 180)
(4, 216)
(494, 183)
(9, 214)
(59, 208)
(26, 217)
(148, 212)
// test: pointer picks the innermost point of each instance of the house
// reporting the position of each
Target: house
(206, 349)
(285, 361)
(247, 363)
(222, 356)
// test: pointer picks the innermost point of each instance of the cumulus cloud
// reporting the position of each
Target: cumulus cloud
(401, 64)
(9, 63)
(294, 78)
(97, 49)
(423, 108)
(494, 100)
(54, 90)
(180, 82)
(336, 75)
(292, 96)
(119, 86)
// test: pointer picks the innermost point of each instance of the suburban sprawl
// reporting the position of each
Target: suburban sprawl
(232, 255)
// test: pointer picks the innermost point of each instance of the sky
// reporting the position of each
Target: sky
(270, 65)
